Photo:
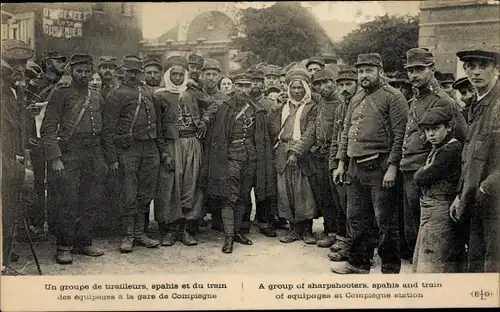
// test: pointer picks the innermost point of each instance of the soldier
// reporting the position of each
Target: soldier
(428, 93)
(371, 140)
(238, 158)
(185, 119)
(446, 81)
(347, 84)
(272, 76)
(195, 65)
(314, 64)
(400, 82)
(15, 54)
(467, 91)
(130, 136)
(293, 129)
(71, 133)
(478, 199)
(323, 81)
(283, 85)
(153, 72)
(264, 209)
(107, 70)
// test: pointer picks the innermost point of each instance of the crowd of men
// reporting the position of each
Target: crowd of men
(401, 165)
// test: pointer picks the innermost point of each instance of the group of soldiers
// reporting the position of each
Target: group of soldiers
(354, 146)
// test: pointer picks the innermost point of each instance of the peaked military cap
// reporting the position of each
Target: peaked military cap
(243, 78)
(463, 82)
(177, 60)
(132, 62)
(479, 51)
(108, 60)
(435, 116)
(195, 59)
(373, 59)
(256, 74)
(316, 60)
(81, 58)
(211, 63)
(272, 70)
(54, 55)
(419, 57)
(13, 49)
(347, 73)
(446, 78)
(297, 73)
(323, 74)
(152, 61)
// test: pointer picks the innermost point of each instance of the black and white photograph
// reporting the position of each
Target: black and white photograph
(321, 138)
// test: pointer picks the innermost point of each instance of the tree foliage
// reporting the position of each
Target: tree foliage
(282, 33)
(391, 36)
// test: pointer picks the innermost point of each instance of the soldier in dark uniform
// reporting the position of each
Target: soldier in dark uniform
(238, 158)
(446, 81)
(478, 201)
(371, 141)
(347, 84)
(427, 94)
(400, 82)
(195, 64)
(71, 133)
(323, 81)
(15, 54)
(272, 76)
(130, 135)
(264, 209)
(107, 71)
(467, 91)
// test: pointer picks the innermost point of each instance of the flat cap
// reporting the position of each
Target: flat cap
(271, 89)
(256, 73)
(445, 77)
(419, 57)
(108, 60)
(398, 79)
(272, 70)
(323, 74)
(195, 59)
(373, 59)
(152, 61)
(33, 70)
(316, 60)
(461, 83)
(177, 60)
(347, 73)
(13, 49)
(81, 58)
(435, 116)
(479, 51)
(54, 55)
(297, 73)
(243, 78)
(132, 62)
(211, 63)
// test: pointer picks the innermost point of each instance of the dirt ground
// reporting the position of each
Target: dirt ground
(265, 256)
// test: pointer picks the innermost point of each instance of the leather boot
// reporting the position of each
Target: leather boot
(140, 238)
(168, 234)
(187, 237)
(239, 238)
(292, 235)
(307, 235)
(127, 242)
(228, 245)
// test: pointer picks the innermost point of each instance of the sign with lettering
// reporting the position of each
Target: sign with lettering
(63, 23)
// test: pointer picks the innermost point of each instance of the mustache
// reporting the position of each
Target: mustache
(345, 93)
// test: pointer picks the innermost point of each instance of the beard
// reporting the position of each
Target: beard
(255, 92)
(153, 82)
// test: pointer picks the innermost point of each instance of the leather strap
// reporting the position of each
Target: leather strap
(80, 115)
(136, 112)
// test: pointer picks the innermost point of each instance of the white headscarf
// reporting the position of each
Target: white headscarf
(169, 85)
(286, 109)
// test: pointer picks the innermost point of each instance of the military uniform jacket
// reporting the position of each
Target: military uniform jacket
(415, 146)
(338, 126)
(377, 127)
(480, 156)
(118, 113)
(62, 113)
(13, 133)
(325, 122)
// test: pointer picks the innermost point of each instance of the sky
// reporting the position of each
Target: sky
(160, 17)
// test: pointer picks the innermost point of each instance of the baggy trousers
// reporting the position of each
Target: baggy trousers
(322, 187)
(369, 201)
(79, 193)
(340, 201)
(37, 210)
(411, 210)
(241, 179)
(139, 165)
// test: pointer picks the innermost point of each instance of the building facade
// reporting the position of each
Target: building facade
(447, 26)
(97, 28)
